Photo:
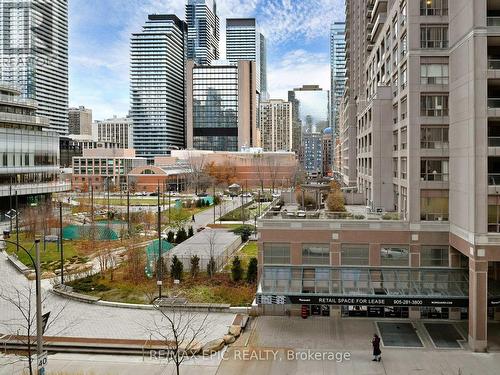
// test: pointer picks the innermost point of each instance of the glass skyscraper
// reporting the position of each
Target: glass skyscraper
(34, 51)
(203, 31)
(245, 42)
(158, 56)
(337, 69)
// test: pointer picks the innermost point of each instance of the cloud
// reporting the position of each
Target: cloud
(297, 68)
(289, 20)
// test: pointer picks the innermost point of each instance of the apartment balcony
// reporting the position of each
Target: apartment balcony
(377, 26)
(18, 101)
(23, 119)
(379, 7)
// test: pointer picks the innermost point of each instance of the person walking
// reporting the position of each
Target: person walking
(376, 348)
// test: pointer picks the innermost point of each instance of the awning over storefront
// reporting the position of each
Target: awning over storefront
(367, 286)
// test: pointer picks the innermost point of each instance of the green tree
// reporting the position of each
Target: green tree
(211, 267)
(236, 269)
(195, 266)
(179, 217)
(170, 236)
(252, 271)
(176, 268)
(190, 232)
(181, 236)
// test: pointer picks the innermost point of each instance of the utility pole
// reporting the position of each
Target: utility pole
(61, 241)
(128, 208)
(242, 207)
(92, 200)
(39, 333)
(169, 202)
(160, 261)
(107, 186)
(213, 184)
(17, 223)
(10, 203)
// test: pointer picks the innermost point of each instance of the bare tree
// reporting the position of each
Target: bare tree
(211, 236)
(181, 330)
(273, 167)
(21, 321)
(196, 165)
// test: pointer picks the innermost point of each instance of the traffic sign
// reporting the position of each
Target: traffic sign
(45, 319)
(41, 362)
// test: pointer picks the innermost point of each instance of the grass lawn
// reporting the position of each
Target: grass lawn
(248, 251)
(51, 253)
(201, 289)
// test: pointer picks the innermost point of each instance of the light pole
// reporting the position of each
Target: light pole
(160, 261)
(61, 241)
(36, 265)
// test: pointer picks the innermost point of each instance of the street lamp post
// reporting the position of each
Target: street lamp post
(160, 261)
(61, 241)
(36, 265)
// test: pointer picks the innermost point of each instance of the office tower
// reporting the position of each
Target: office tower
(327, 151)
(264, 94)
(310, 115)
(157, 81)
(115, 130)
(424, 74)
(275, 124)
(34, 50)
(244, 41)
(221, 106)
(337, 70)
(80, 120)
(29, 156)
(203, 31)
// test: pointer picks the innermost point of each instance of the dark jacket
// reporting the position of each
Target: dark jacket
(376, 346)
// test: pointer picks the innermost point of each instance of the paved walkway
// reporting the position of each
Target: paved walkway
(272, 341)
(87, 320)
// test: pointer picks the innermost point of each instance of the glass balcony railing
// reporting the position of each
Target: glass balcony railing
(17, 100)
(493, 141)
(493, 21)
(493, 179)
(493, 64)
(493, 103)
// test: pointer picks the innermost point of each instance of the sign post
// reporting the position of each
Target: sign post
(41, 362)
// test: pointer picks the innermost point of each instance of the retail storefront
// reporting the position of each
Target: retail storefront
(428, 293)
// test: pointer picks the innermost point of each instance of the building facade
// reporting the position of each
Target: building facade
(244, 41)
(275, 124)
(158, 56)
(433, 66)
(35, 59)
(327, 151)
(29, 156)
(337, 71)
(80, 120)
(310, 116)
(221, 106)
(115, 130)
(203, 31)
(103, 168)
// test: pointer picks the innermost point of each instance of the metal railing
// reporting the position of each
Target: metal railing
(18, 100)
(25, 119)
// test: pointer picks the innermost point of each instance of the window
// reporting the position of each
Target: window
(494, 214)
(434, 170)
(395, 141)
(434, 205)
(434, 137)
(434, 256)
(434, 105)
(395, 167)
(355, 255)
(433, 7)
(404, 138)
(434, 74)
(403, 168)
(316, 254)
(433, 36)
(395, 256)
(403, 45)
(404, 108)
(276, 253)
(404, 77)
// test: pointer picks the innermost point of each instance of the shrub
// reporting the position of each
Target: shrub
(171, 236)
(244, 231)
(190, 232)
(216, 200)
(252, 270)
(195, 265)
(236, 269)
(181, 236)
(211, 267)
(176, 268)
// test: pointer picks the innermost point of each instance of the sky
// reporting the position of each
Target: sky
(297, 33)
